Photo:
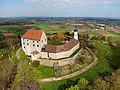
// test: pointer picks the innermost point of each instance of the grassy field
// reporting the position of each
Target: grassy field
(102, 67)
(19, 30)
(50, 30)
(44, 71)
(94, 32)
(114, 33)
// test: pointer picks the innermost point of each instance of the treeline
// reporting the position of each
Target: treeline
(8, 42)
(17, 75)
(100, 83)
(15, 23)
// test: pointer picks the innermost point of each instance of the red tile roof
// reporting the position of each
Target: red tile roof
(35, 52)
(7, 34)
(61, 48)
(33, 34)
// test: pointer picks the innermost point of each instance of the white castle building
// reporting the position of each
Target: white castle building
(34, 44)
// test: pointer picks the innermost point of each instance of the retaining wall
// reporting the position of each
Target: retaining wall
(61, 62)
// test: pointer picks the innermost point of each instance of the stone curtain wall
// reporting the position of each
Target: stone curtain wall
(61, 62)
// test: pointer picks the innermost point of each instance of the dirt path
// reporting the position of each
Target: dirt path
(75, 73)
(18, 53)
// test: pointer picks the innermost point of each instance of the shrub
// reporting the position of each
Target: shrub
(35, 63)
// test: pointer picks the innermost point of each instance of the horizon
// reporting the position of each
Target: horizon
(60, 8)
(59, 17)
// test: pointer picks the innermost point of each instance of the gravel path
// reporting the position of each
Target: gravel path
(18, 53)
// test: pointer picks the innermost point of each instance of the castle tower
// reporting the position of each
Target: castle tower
(76, 33)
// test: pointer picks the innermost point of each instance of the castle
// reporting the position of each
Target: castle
(34, 44)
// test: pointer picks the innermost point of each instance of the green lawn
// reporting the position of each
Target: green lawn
(102, 67)
(44, 71)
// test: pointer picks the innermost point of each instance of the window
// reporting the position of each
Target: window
(33, 45)
(45, 39)
(24, 46)
(27, 40)
(23, 43)
(42, 40)
(37, 41)
(23, 39)
(27, 43)
(48, 55)
(37, 45)
(33, 41)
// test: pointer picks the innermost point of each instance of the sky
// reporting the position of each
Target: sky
(60, 8)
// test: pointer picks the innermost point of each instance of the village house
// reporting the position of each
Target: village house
(34, 44)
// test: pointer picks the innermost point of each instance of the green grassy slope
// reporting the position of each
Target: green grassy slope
(102, 67)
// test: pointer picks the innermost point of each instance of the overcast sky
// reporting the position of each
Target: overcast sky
(73, 8)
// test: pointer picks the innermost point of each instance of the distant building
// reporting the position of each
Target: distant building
(100, 27)
(34, 44)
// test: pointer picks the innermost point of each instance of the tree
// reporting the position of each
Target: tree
(76, 87)
(100, 84)
(115, 80)
(25, 74)
(103, 38)
(67, 33)
(8, 71)
(28, 85)
(11, 41)
(114, 58)
(3, 83)
(60, 36)
(82, 83)
(108, 83)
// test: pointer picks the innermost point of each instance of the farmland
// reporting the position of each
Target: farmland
(104, 52)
